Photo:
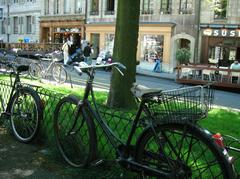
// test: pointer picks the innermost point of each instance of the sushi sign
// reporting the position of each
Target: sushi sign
(221, 32)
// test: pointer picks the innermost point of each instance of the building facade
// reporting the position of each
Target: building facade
(20, 24)
(220, 32)
(62, 19)
(164, 26)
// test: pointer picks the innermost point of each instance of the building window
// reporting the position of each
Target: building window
(147, 7)
(109, 7)
(78, 6)
(47, 7)
(67, 8)
(186, 7)
(94, 7)
(220, 9)
(56, 7)
(151, 46)
(166, 7)
(21, 24)
(15, 1)
(15, 25)
(109, 43)
(3, 26)
(29, 24)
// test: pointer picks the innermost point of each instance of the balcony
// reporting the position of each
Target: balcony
(94, 13)
(147, 11)
(108, 12)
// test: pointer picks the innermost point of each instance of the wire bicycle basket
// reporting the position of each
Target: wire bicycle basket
(187, 104)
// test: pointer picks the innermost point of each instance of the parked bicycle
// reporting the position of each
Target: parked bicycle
(169, 146)
(55, 69)
(22, 108)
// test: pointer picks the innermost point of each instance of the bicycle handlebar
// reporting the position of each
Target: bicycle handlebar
(84, 66)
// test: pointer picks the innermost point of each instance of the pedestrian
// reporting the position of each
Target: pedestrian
(87, 52)
(235, 65)
(65, 48)
(158, 64)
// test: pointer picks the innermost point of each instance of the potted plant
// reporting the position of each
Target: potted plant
(183, 55)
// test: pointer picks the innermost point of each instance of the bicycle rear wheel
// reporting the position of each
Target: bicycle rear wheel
(26, 113)
(59, 74)
(35, 70)
(74, 132)
(182, 150)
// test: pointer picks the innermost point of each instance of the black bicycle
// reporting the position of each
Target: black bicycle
(168, 147)
(23, 107)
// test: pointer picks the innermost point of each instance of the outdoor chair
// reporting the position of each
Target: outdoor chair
(186, 73)
(224, 76)
(235, 75)
(208, 75)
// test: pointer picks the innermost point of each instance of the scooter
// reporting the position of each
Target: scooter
(104, 58)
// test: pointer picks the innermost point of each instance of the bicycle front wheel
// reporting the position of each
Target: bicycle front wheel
(59, 74)
(26, 113)
(35, 70)
(182, 150)
(74, 132)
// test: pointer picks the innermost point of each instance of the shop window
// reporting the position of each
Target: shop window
(94, 7)
(220, 9)
(186, 7)
(29, 24)
(147, 7)
(109, 7)
(109, 42)
(151, 46)
(15, 25)
(166, 6)
(56, 7)
(78, 6)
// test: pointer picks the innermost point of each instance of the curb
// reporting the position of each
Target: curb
(156, 76)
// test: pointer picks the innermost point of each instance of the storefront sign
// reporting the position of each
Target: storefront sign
(221, 32)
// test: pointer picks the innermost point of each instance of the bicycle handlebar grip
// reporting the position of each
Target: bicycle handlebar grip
(79, 71)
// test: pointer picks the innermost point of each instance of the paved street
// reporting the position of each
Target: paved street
(102, 80)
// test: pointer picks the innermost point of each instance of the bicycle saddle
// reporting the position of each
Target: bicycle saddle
(139, 90)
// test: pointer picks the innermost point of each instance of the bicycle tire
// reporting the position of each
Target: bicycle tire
(59, 73)
(187, 147)
(26, 113)
(35, 70)
(75, 138)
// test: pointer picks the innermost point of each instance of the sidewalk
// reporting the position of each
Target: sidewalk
(145, 68)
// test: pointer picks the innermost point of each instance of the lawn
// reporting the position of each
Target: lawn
(219, 120)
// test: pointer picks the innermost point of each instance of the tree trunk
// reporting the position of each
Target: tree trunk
(125, 49)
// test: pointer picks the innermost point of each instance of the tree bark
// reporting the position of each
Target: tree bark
(125, 49)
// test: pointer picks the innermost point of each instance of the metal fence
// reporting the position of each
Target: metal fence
(119, 121)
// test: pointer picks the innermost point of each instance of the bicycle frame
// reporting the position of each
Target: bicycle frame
(14, 86)
(111, 136)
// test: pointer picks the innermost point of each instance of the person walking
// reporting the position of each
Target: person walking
(65, 49)
(158, 64)
(87, 52)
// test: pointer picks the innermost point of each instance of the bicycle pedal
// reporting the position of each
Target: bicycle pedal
(97, 163)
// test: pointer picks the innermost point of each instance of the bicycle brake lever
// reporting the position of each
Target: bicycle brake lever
(78, 70)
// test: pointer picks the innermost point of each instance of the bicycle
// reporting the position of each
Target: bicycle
(167, 148)
(58, 72)
(23, 108)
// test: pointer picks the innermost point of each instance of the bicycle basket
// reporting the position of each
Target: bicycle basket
(187, 104)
